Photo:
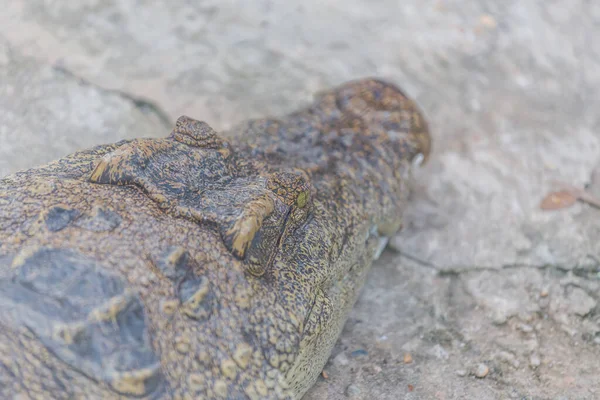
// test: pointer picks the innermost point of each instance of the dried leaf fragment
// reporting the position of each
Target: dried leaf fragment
(558, 200)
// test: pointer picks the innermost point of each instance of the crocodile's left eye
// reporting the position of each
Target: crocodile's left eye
(293, 188)
(302, 199)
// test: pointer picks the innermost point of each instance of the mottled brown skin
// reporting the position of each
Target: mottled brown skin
(200, 265)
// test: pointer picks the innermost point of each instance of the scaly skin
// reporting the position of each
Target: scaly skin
(197, 266)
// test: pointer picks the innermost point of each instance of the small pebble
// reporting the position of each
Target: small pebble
(499, 319)
(538, 326)
(375, 369)
(340, 360)
(359, 352)
(526, 328)
(525, 317)
(534, 361)
(580, 302)
(544, 293)
(508, 358)
(488, 21)
(352, 390)
(482, 371)
(461, 372)
(325, 374)
(439, 352)
(407, 358)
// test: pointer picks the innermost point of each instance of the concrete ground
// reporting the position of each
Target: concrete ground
(483, 295)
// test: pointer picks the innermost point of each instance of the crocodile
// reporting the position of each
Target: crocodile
(202, 265)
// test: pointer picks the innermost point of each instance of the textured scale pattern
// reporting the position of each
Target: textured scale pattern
(196, 266)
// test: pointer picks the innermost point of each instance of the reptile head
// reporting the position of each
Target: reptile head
(354, 146)
(302, 206)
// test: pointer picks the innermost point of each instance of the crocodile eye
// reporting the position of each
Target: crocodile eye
(302, 199)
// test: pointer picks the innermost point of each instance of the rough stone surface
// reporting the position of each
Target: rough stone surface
(46, 113)
(510, 89)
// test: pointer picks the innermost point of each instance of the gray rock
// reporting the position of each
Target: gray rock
(580, 303)
(534, 361)
(341, 360)
(46, 113)
(481, 371)
(461, 372)
(510, 89)
(353, 391)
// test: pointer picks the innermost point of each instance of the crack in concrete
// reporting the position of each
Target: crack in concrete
(456, 271)
(144, 105)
